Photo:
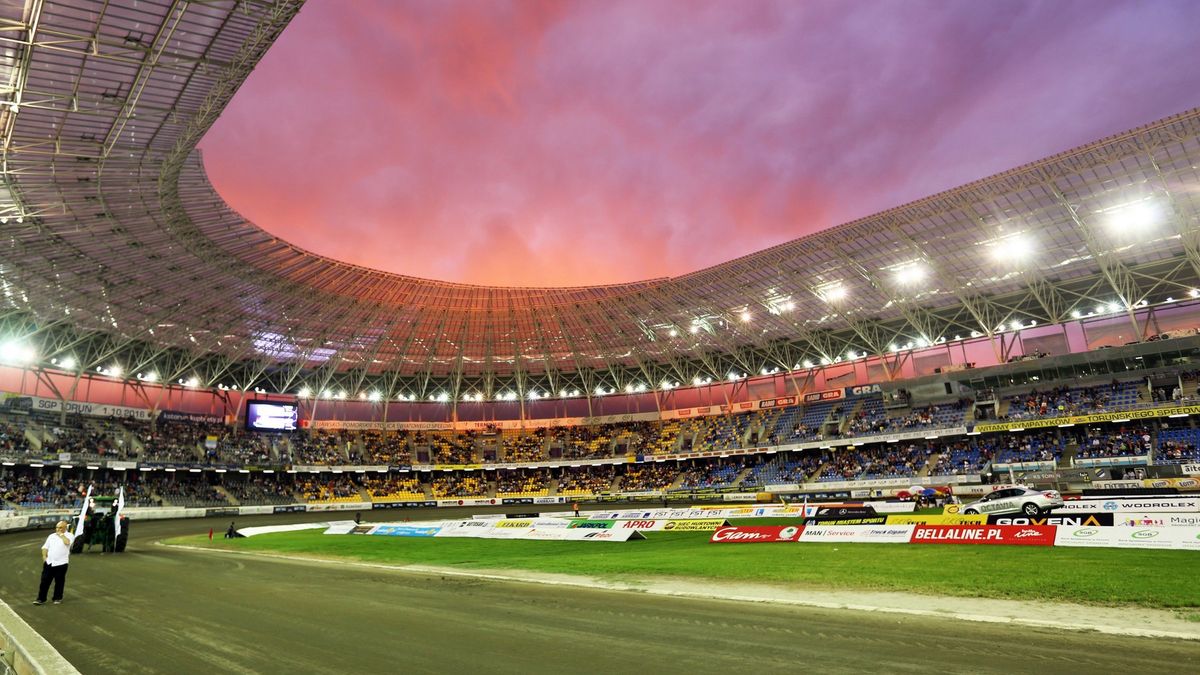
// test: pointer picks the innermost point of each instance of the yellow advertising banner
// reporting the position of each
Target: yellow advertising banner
(936, 519)
(1180, 483)
(698, 525)
(1089, 419)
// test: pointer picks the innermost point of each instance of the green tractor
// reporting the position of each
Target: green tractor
(100, 527)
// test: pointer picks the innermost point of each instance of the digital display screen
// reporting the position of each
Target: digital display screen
(267, 416)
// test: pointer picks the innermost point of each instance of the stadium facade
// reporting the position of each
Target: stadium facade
(125, 277)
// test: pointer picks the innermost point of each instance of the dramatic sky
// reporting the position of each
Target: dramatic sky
(532, 142)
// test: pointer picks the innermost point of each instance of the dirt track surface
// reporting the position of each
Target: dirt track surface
(158, 609)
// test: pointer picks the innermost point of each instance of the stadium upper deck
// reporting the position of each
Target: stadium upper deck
(116, 247)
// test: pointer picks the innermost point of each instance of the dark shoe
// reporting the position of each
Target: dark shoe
(39, 602)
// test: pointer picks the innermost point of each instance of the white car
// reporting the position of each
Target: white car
(1023, 500)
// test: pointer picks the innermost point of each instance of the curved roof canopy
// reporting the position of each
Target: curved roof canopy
(114, 247)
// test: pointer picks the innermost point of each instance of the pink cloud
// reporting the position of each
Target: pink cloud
(567, 143)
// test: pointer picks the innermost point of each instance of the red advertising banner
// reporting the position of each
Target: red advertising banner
(831, 395)
(1022, 535)
(777, 402)
(757, 535)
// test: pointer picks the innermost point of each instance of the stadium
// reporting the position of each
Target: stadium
(439, 476)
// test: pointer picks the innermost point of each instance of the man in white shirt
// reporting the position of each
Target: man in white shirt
(55, 554)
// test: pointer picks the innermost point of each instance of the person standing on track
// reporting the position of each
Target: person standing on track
(56, 552)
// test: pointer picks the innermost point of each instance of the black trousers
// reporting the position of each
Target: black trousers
(56, 574)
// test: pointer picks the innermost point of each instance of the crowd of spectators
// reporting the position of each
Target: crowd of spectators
(320, 448)
(94, 439)
(456, 449)
(583, 442)
(895, 460)
(1099, 442)
(844, 465)
(961, 458)
(454, 486)
(523, 483)
(34, 492)
(1178, 446)
(381, 447)
(183, 490)
(394, 487)
(243, 449)
(1039, 446)
(585, 480)
(12, 439)
(786, 468)
(259, 490)
(524, 447)
(335, 488)
(649, 477)
(1062, 401)
(178, 441)
(712, 473)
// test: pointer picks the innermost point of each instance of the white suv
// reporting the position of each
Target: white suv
(1023, 500)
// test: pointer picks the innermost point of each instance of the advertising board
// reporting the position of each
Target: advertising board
(1135, 504)
(1081, 519)
(936, 519)
(1178, 538)
(858, 534)
(405, 530)
(1024, 535)
(762, 534)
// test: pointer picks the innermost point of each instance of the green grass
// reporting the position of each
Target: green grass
(1098, 576)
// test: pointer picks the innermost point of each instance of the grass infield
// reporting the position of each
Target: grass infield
(1097, 576)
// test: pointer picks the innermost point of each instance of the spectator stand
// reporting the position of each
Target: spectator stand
(710, 474)
(586, 481)
(1112, 445)
(330, 488)
(1178, 446)
(649, 477)
(514, 483)
(394, 488)
(786, 469)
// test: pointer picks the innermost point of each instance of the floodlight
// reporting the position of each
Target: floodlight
(304, 392)
(1132, 218)
(673, 333)
(114, 370)
(910, 274)
(17, 352)
(193, 381)
(1012, 249)
(746, 316)
(374, 396)
(832, 292)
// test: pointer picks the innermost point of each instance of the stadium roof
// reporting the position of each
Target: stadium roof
(116, 249)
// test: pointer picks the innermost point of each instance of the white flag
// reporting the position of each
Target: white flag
(117, 511)
(83, 512)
